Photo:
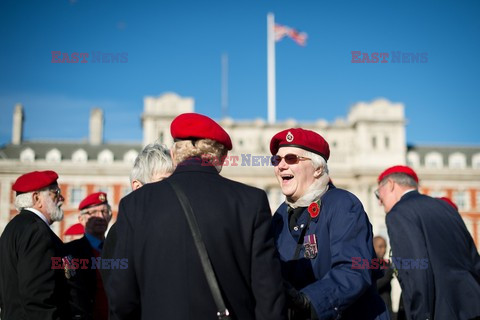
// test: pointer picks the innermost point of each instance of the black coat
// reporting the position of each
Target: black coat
(164, 278)
(82, 285)
(29, 287)
(438, 264)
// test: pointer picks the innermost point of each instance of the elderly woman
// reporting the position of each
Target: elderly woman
(322, 234)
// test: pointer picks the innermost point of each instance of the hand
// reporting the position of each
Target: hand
(297, 300)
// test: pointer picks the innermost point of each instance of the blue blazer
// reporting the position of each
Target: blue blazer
(446, 282)
(343, 232)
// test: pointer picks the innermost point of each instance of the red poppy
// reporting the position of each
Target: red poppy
(314, 210)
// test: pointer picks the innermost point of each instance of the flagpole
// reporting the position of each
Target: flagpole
(271, 67)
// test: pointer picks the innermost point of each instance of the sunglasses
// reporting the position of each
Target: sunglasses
(289, 159)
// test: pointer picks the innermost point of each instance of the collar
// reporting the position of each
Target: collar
(409, 193)
(94, 242)
(313, 193)
(39, 214)
(195, 164)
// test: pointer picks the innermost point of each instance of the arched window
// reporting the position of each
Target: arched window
(476, 161)
(106, 156)
(413, 160)
(53, 155)
(130, 156)
(80, 156)
(433, 160)
(27, 155)
(457, 160)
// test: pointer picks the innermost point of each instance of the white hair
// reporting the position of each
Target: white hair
(154, 158)
(317, 161)
(24, 200)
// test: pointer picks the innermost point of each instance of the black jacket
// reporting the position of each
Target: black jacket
(29, 287)
(164, 278)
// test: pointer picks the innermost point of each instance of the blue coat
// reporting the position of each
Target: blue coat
(342, 232)
(446, 282)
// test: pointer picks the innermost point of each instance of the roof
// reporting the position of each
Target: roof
(11, 151)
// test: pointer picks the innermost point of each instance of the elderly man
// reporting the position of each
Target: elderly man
(30, 286)
(322, 235)
(165, 279)
(88, 299)
(438, 264)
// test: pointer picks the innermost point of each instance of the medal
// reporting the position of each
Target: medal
(310, 246)
(67, 267)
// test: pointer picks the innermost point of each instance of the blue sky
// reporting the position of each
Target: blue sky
(177, 46)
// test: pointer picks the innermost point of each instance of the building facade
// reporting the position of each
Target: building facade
(370, 138)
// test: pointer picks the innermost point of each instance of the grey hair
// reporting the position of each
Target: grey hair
(402, 179)
(154, 158)
(317, 160)
(204, 148)
(24, 200)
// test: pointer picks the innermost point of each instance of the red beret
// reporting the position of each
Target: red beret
(196, 126)
(75, 229)
(34, 181)
(398, 169)
(300, 138)
(93, 199)
(450, 202)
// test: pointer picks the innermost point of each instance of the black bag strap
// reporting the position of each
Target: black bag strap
(222, 312)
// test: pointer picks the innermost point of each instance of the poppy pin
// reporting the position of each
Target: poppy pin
(314, 210)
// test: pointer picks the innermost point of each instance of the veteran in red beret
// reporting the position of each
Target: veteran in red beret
(319, 230)
(437, 261)
(166, 280)
(29, 287)
(88, 299)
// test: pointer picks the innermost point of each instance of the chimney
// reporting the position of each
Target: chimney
(96, 126)
(17, 127)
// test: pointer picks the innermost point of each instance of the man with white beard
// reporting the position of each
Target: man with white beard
(31, 287)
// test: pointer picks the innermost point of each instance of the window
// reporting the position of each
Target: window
(79, 156)
(457, 160)
(387, 142)
(77, 194)
(413, 160)
(53, 155)
(27, 155)
(130, 156)
(461, 198)
(106, 156)
(476, 161)
(433, 160)
(477, 199)
(374, 142)
(437, 193)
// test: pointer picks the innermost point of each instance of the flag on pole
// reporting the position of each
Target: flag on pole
(281, 31)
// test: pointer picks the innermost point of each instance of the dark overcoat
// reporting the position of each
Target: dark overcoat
(437, 261)
(29, 287)
(83, 284)
(164, 278)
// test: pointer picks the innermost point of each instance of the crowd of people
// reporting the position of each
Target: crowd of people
(189, 243)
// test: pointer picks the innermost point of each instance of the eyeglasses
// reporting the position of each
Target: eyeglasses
(289, 159)
(56, 191)
(377, 191)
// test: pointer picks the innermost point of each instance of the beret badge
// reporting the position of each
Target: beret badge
(101, 197)
(289, 137)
